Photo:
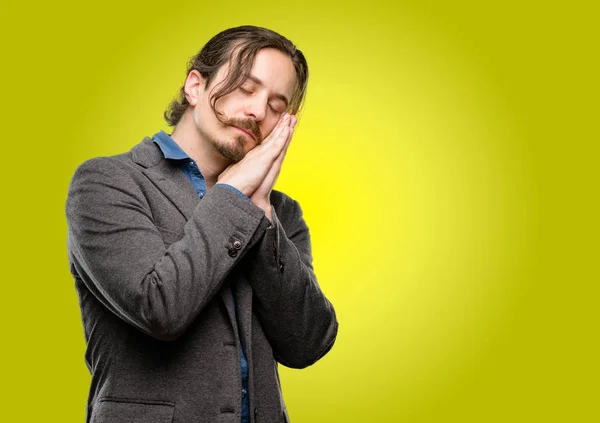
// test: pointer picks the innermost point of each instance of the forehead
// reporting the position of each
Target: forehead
(276, 71)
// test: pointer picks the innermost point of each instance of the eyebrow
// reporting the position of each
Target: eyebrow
(277, 95)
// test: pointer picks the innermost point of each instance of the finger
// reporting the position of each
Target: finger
(286, 146)
(276, 167)
(279, 140)
(273, 174)
(281, 122)
(290, 133)
(276, 129)
(268, 142)
(270, 153)
(282, 141)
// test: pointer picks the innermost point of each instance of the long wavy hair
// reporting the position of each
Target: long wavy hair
(239, 45)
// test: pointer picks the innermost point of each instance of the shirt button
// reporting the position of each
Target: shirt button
(201, 194)
(244, 392)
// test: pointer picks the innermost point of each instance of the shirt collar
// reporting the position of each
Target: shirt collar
(169, 147)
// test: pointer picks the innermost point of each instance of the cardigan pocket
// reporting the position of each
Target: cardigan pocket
(124, 410)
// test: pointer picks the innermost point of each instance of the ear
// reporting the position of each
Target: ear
(194, 86)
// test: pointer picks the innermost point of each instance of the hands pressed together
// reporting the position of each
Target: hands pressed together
(256, 173)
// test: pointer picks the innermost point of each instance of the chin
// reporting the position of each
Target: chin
(233, 150)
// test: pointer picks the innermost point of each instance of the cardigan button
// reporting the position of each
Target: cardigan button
(232, 252)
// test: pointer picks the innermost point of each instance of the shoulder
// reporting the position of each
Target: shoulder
(104, 169)
(103, 164)
(104, 180)
(142, 155)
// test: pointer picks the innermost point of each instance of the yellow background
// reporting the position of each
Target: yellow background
(445, 163)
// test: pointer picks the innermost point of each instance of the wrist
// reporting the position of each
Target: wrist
(237, 186)
(266, 207)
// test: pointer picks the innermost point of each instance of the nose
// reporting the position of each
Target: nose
(256, 108)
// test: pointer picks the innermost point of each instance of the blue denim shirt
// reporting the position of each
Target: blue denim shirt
(172, 151)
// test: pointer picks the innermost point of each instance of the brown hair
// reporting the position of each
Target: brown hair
(245, 42)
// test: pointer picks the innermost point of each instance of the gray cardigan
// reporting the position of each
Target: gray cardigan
(155, 269)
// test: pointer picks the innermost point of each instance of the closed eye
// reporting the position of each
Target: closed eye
(245, 91)
(275, 109)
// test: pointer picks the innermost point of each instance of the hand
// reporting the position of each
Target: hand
(248, 174)
(261, 197)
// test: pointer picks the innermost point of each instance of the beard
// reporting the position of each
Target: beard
(231, 149)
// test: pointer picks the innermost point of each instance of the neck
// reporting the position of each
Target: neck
(210, 162)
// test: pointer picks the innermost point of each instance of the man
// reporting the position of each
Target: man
(194, 277)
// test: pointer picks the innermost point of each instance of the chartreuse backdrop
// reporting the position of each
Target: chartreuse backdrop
(443, 162)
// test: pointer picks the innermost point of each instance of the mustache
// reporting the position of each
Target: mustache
(249, 125)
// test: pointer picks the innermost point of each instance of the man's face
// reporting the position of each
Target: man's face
(251, 111)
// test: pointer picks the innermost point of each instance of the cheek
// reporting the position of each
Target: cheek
(230, 105)
(204, 116)
(269, 125)
(210, 116)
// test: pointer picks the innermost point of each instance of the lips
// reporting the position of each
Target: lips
(246, 132)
